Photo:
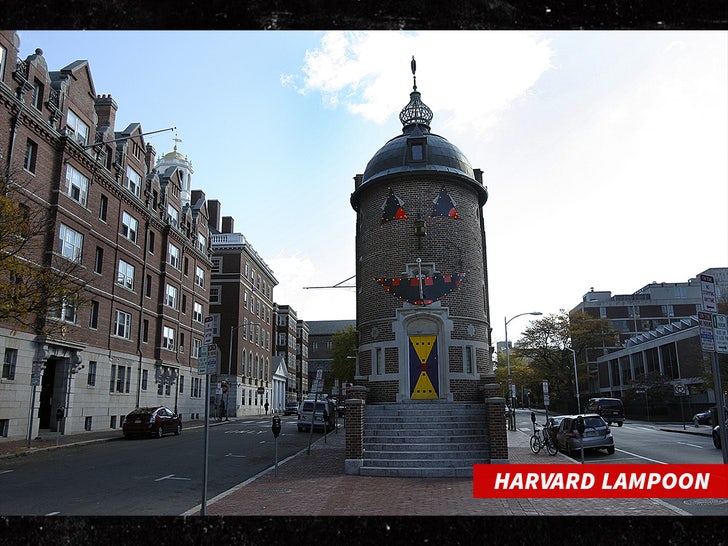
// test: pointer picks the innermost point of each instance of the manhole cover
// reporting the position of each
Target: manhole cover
(705, 501)
(275, 491)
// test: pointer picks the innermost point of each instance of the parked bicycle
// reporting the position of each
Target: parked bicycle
(542, 439)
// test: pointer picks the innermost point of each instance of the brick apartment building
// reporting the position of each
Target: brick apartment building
(139, 237)
(242, 307)
(292, 344)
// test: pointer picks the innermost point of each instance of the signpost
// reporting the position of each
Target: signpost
(546, 397)
(714, 339)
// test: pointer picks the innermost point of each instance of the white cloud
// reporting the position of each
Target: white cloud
(466, 77)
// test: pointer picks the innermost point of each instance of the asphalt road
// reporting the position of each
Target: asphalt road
(143, 476)
(645, 443)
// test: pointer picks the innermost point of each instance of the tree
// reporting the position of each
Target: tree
(522, 375)
(544, 344)
(343, 346)
(34, 284)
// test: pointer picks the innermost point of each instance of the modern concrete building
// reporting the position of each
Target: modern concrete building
(654, 306)
(139, 241)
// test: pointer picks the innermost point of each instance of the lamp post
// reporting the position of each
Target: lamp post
(508, 350)
(576, 380)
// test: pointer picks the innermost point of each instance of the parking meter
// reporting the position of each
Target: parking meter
(59, 414)
(533, 417)
(276, 426)
(579, 425)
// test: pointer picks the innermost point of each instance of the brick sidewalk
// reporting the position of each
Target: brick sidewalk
(315, 485)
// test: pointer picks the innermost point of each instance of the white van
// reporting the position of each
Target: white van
(306, 413)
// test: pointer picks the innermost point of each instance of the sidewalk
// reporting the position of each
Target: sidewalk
(315, 485)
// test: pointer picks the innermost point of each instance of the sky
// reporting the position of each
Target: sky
(605, 154)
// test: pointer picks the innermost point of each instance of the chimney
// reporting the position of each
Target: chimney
(213, 209)
(228, 224)
(105, 110)
(196, 196)
(149, 157)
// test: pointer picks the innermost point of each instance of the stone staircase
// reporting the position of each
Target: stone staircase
(433, 439)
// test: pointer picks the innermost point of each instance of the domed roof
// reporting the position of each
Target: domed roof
(174, 154)
(417, 149)
(437, 154)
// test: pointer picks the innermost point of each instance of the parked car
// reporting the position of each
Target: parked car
(291, 408)
(153, 421)
(306, 414)
(702, 418)
(716, 433)
(610, 409)
(596, 434)
(553, 424)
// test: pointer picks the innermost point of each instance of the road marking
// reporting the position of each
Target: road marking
(691, 445)
(641, 457)
(52, 513)
(6, 471)
(232, 455)
(171, 477)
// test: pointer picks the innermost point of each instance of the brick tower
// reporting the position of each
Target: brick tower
(422, 286)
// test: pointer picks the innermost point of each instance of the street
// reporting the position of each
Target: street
(143, 476)
(639, 442)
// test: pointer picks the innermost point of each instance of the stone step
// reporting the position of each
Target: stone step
(424, 463)
(407, 457)
(420, 432)
(471, 445)
(434, 472)
(422, 423)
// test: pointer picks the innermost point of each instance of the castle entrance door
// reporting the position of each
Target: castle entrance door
(423, 368)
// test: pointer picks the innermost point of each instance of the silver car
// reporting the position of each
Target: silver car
(596, 434)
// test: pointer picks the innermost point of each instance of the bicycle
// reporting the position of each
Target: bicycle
(542, 439)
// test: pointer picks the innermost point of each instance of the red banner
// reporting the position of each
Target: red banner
(600, 481)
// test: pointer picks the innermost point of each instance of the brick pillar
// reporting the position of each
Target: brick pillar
(355, 430)
(495, 407)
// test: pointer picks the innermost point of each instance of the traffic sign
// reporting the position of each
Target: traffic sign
(209, 329)
(707, 290)
(202, 361)
(720, 333)
(705, 321)
(680, 389)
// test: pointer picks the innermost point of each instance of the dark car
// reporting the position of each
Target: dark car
(554, 423)
(291, 408)
(153, 421)
(702, 418)
(610, 409)
(596, 434)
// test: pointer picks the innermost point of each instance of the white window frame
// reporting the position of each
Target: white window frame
(196, 311)
(129, 227)
(133, 181)
(173, 214)
(125, 274)
(71, 243)
(31, 155)
(201, 242)
(80, 129)
(67, 311)
(122, 324)
(215, 294)
(216, 264)
(170, 296)
(196, 346)
(173, 257)
(168, 335)
(199, 276)
(76, 185)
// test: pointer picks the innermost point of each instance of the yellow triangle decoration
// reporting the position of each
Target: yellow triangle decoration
(424, 389)
(423, 346)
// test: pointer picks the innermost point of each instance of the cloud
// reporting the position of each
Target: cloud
(468, 78)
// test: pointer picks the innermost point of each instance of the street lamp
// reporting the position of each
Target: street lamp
(508, 351)
(576, 380)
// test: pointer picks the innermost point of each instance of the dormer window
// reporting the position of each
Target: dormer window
(417, 149)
